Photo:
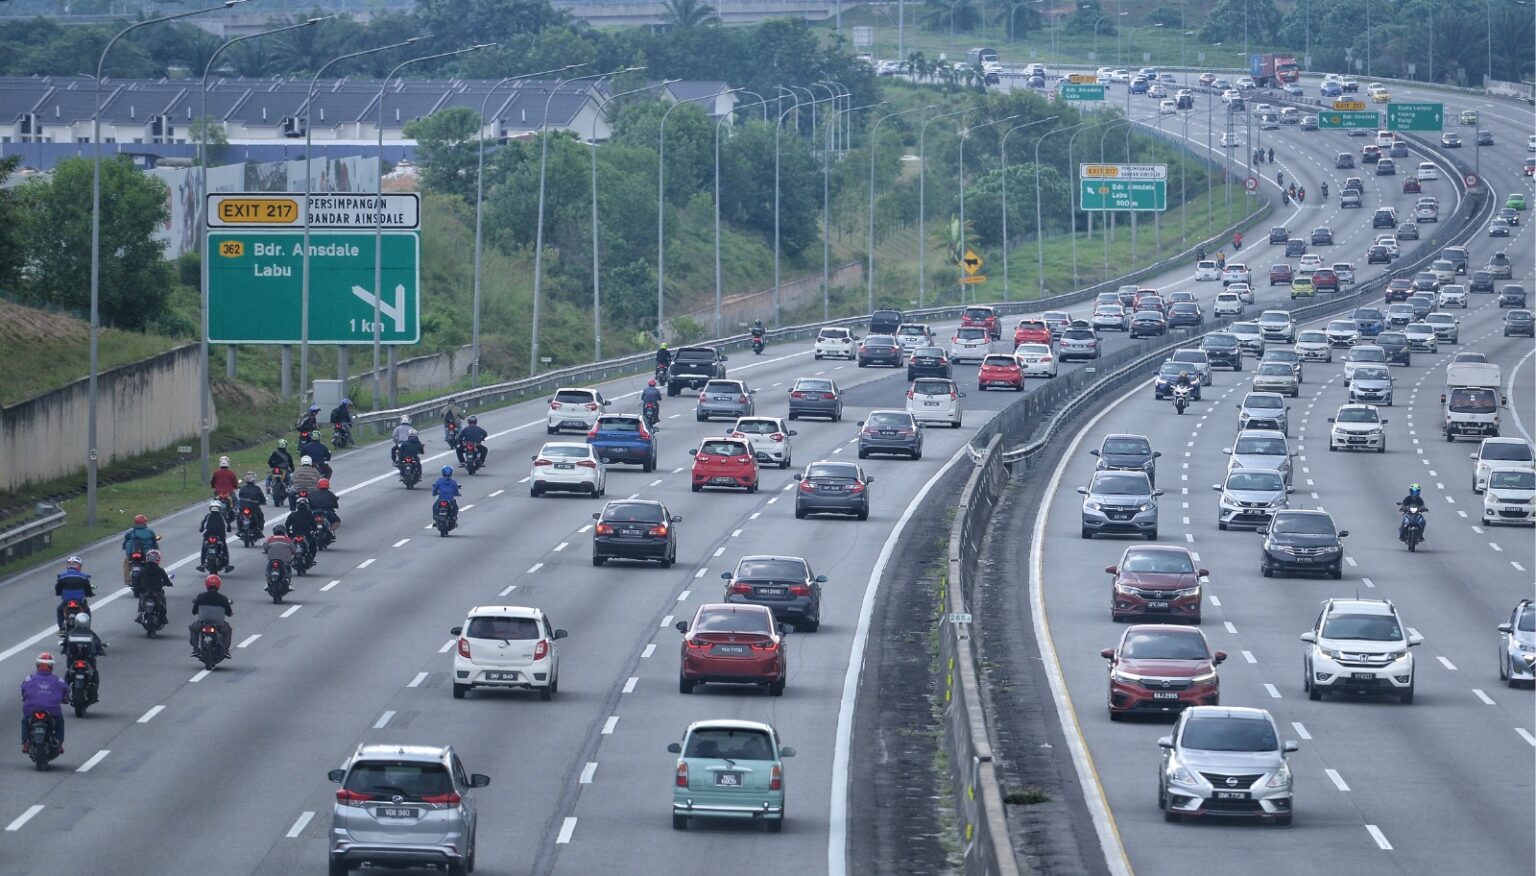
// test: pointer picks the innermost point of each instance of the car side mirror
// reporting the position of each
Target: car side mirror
(1219, 657)
(1165, 742)
(675, 748)
(725, 575)
(455, 631)
(1107, 653)
(597, 515)
(1309, 636)
(1094, 451)
(1471, 455)
(479, 780)
(1227, 450)
(821, 579)
(1082, 491)
(677, 518)
(1156, 493)
(1289, 488)
(1384, 422)
(682, 626)
(792, 433)
(962, 395)
(786, 751)
(725, 358)
(560, 634)
(785, 629)
(1216, 487)
(1112, 570)
(861, 422)
(1506, 628)
(799, 476)
(606, 403)
(1203, 573)
(336, 775)
(1262, 530)
(869, 480)
(1343, 533)
(693, 452)
(1330, 419)
(1415, 639)
(751, 392)
(1156, 454)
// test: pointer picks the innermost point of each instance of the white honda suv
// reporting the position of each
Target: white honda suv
(507, 646)
(836, 342)
(1359, 646)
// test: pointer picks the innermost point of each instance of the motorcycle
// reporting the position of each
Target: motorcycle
(210, 644)
(227, 508)
(72, 607)
(1325, 191)
(661, 373)
(1412, 525)
(757, 345)
(135, 567)
(474, 456)
(214, 556)
(323, 534)
(442, 517)
(651, 412)
(277, 487)
(43, 739)
(277, 580)
(80, 675)
(303, 554)
(246, 528)
(1181, 397)
(410, 472)
(152, 612)
(341, 435)
(451, 433)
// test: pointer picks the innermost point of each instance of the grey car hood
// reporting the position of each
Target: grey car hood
(1264, 496)
(1256, 460)
(1231, 762)
(1373, 384)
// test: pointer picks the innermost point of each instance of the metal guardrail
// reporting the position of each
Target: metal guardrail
(32, 536)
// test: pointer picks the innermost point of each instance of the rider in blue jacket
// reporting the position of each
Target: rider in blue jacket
(447, 488)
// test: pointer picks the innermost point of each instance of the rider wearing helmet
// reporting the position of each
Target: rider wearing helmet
(252, 497)
(307, 420)
(73, 583)
(305, 478)
(663, 356)
(411, 448)
(224, 481)
(42, 691)
(650, 394)
(323, 500)
(342, 414)
(1183, 379)
(152, 579)
(472, 433)
(140, 538)
(279, 549)
(214, 526)
(212, 600)
(82, 629)
(320, 454)
(1414, 499)
(757, 328)
(402, 431)
(281, 459)
(446, 487)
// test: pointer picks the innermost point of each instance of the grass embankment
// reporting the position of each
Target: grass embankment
(50, 350)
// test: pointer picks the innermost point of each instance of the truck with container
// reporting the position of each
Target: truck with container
(1271, 70)
(1471, 401)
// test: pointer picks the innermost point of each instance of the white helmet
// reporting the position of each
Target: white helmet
(405, 420)
(304, 460)
(83, 622)
(213, 505)
(223, 462)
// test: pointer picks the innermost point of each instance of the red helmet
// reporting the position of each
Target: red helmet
(323, 483)
(651, 382)
(45, 662)
(140, 520)
(212, 582)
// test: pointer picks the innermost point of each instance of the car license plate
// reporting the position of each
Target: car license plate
(731, 650)
(1362, 676)
(1306, 559)
(834, 488)
(770, 591)
(729, 780)
(722, 481)
(565, 465)
(885, 434)
(1165, 695)
(501, 676)
(1159, 605)
(1231, 795)
(398, 812)
(572, 424)
(928, 404)
(630, 530)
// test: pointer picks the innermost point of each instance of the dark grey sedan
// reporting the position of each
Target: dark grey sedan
(785, 585)
(896, 432)
(815, 397)
(833, 488)
(1185, 313)
(880, 350)
(731, 399)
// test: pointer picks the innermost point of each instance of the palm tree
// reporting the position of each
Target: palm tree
(683, 14)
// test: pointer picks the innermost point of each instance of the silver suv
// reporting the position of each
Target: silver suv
(1225, 762)
(1264, 410)
(1120, 502)
(1358, 646)
(404, 806)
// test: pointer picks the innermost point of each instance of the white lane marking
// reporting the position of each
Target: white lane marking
(1526, 734)
(291, 610)
(150, 715)
(1495, 546)
(700, 573)
(328, 586)
(1186, 521)
(1216, 602)
(587, 528)
(562, 545)
(416, 682)
(368, 562)
(1273, 691)
(467, 507)
(736, 534)
(677, 471)
(567, 828)
(526, 479)
(772, 500)
(96, 758)
(1476, 529)
(507, 589)
(1301, 730)
(24, 817)
(683, 597)
(447, 646)
(1248, 655)
(1379, 837)
(655, 483)
(587, 772)
(298, 826)
(633, 496)
(666, 621)
(495, 494)
(1189, 537)
(629, 686)
(383, 719)
(1231, 629)
(1368, 582)
(1482, 696)
(1351, 561)
(400, 542)
(1338, 780)
(610, 724)
(649, 650)
(719, 550)
(201, 674)
(535, 567)
(837, 450)
(755, 515)
(249, 641)
(787, 488)
(1446, 663)
(1518, 567)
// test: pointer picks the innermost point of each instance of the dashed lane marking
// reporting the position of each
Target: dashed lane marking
(416, 682)
(507, 589)
(201, 674)
(1248, 655)
(587, 772)
(666, 621)
(150, 715)
(368, 562)
(1446, 663)
(567, 828)
(383, 720)
(298, 826)
(96, 758)
(534, 568)
(610, 724)
(292, 609)
(400, 542)
(1301, 730)
(562, 545)
(1273, 691)
(249, 641)
(1487, 701)
(1373, 830)
(629, 686)
(24, 817)
(649, 650)
(1338, 780)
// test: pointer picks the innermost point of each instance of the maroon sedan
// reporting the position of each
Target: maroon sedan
(1280, 275)
(1156, 579)
(1325, 280)
(733, 644)
(1161, 668)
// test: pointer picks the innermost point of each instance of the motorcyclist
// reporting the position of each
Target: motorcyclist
(1200, 253)
(1285, 198)
(757, 328)
(139, 538)
(411, 448)
(1280, 178)
(279, 458)
(322, 499)
(650, 394)
(1414, 500)
(319, 454)
(152, 579)
(1221, 260)
(214, 526)
(72, 583)
(1325, 189)
(451, 416)
(446, 487)
(42, 691)
(306, 478)
(83, 643)
(1271, 156)
(401, 432)
(301, 524)
(279, 547)
(472, 433)
(224, 481)
(341, 415)
(1301, 194)
(663, 358)
(308, 420)
(1183, 380)
(212, 598)
(252, 497)
(83, 630)
(1237, 240)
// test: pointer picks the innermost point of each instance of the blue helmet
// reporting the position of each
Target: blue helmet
(1413, 489)
(346, 402)
(447, 471)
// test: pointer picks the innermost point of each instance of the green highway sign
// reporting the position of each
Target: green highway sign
(255, 287)
(1123, 194)
(1415, 117)
(1070, 91)
(1328, 119)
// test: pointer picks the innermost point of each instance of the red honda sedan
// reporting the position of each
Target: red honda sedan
(724, 462)
(1162, 668)
(1000, 370)
(1156, 579)
(733, 644)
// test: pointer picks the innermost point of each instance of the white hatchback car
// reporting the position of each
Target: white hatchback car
(1207, 270)
(836, 342)
(1236, 272)
(1500, 453)
(935, 400)
(768, 437)
(1452, 295)
(970, 342)
(914, 334)
(1427, 171)
(575, 409)
(1228, 304)
(1310, 263)
(1508, 497)
(1036, 360)
(567, 467)
(509, 647)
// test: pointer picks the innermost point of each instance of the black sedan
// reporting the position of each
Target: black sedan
(833, 488)
(635, 529)
(880, 350)
(1185, 313)
(1148, 323)
(784, 585)
(1480, 281)
(1322, 236)
(1302, 542)
(1378, 255)
(1396, 346)
(928, 362)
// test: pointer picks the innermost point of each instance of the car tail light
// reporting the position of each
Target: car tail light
(702, 458)
(464, 648)
(541, 650)
(591, 406)
(592, 433)
(904, 431)
(554, 406)
(451, 798)
(777, 436)
(741, 399)
(855, 487)
(799, 590)
(659, 530)
(954, 394)
(697, 644)
(739, 589)
(828, 396)
(796, 394)
(682, 775)
(861, 348)
(911, 394)
(769, 646)
(542, 461)
(587, 463)
(807, 487)
(604, 529)
(776, 778)
(352, 798)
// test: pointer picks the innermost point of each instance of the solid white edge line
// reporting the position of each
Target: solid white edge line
(1104, 825)
(837, 833)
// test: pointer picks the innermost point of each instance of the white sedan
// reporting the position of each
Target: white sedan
(567, 467)
(1167, 107)
(1310, 263)
(1036, 360)
(1230, 141)
(768, 437)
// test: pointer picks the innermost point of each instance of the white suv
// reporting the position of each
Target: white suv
(1500, 453)
(1359, 646)
(575, 409)
(838, 342)
(507, 646)
(935, 400)
(768, 437)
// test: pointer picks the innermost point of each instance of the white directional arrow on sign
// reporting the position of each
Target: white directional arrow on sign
(395, 312)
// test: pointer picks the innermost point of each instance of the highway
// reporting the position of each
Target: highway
(1443, 785)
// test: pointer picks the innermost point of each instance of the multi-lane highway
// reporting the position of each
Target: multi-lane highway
(1442, 785)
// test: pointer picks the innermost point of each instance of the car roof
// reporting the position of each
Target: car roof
(572, 444)
(1262, 433)
(772, 557)
(396, 751)
(505, 611)
(1245, 712)
(733, 608)
(1360, 605)
(1155, 549)
(731, 724)
(576, 389)
(1516, 441)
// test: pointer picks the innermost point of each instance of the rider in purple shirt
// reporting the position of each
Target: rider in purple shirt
(42, 691)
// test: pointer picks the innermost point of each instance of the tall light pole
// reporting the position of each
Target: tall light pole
(1002, 156)
(597, 299)
(205, 397)
(661, 213)
(965, 134)
(777, 127)
(378, 214)
(922, 204)
(760, 99)
(826, 220)
(474, 342)
(92, 456)
(719, 280)
(869, 273)
(309, 161)
(1072, 195)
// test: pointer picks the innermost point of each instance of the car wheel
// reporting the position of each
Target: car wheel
(776, 688)
(799, 513)
(1382, 448)
(547, 693)
(697, 487)
(1336, 572)
(1266, 570)
(1170, 816)
(534, 492)
(459, 690)
(666, 562)
(1406, 697)
(917, 454)
(791, 415)
(679, 822)
(701, 418)
(752, 488)
(1332, 448)
(1151, 536)
(598, 561)
(777, 825)
(1221, 526)
(1087, 533)
(954, 424)
(863, 454)
(456, 868)
(684, 685)
(340, 868)
(809, 626)
(550, 430)
(864, 513)
(649, 465)
(1118, 717)
(785, 463)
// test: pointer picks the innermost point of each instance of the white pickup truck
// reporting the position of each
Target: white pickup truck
(1471, 402)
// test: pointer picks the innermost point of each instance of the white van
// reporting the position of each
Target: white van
(1530, 143)
(1290, 115)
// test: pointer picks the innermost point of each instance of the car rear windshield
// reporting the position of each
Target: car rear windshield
(885, 316)
(503, 628)
(638, 512)
(978, 313)
(722, 743)
(772, 567)
(1166, 562)
(1032, 325)
(932, 387)
(971, 334)
(1165, 646)
(1357, 415)
(834, 334)
(1251, 445)
(1513, 452)
(813, 385)
(723, 448)
(618, 424)
(1363, 355)
(929, 352)
(1114, 484)
(757, 427)
(565, 451)
(1303, 524)
(575, 396)
(1229, 734)
(1256, 481)
(1269, 368)
(1183, 307)
(732, 621)
(1077, 334)
(1371, 374)
(1032, 350)
(824, 470)
(879, 341)
(1126, 446)
(890, 419)
(406, 779)
(694, 354)
(728, 387)
(1000, 361)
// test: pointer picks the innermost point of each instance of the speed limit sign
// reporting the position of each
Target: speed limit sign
(1470, 179)
(1251, 183)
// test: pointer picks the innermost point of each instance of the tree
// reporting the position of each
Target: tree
(685, 14)
(218, 141)
(1231, 19)
(447, 142)
(12, 245)
(135, 277)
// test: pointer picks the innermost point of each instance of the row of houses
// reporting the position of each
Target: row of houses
(256, 111)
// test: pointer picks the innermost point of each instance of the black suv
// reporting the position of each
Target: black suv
(1480, 281)
(1223, 351)
(1302, 542)
(885, 322)
(1384, 218)
(1279, 234)
(693, 367)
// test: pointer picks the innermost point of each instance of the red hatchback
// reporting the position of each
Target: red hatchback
(1032, 331)
(733, 644)
(999, 370)
(724, 462)
(1160, 580)
(1162, 668)
(1280, 275)
(1325, 280)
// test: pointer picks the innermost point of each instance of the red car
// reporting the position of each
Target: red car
(1280, 275)
(1530, 167)
(734, 644)
(1411, 186)
(1151, 302)
(724, 462)
(1398, 289)
(1032, 331)
(1162, 668)
(982, 316)
(1159, 580)
(999, 370)
(1325, 280)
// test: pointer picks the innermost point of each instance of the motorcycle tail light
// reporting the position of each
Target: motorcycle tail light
(541, 650)
(79, 664)
(40, 716)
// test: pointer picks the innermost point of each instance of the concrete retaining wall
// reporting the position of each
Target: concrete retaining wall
(432, 371)
(143, 406)
(742, 308)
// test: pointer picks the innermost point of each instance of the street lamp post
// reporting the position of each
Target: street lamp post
(661, 199)
(964, 134)
(597, 298)
(869, 273)
(826, 222)
(92, 457)
(719, 325)
(777, 127)
(922, 205)
(1002, 156)
(1072, 194)
(378, 213)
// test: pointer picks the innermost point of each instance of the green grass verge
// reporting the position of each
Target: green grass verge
(63, 362)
